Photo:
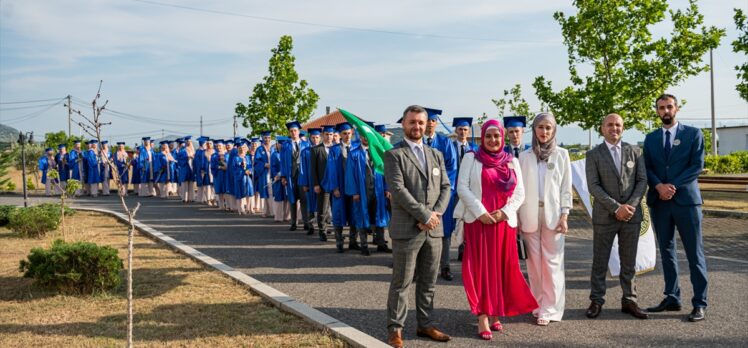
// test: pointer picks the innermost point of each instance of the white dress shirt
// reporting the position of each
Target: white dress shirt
(419, 145)
(672, 130)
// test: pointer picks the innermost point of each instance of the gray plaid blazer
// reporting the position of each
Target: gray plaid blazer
(415, 192)
(610, 188)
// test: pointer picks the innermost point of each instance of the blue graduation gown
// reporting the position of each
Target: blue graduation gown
(63, 168)
(447, 219)
(135, 170)
(44, 167)
(219, 168)
(198, 165)
(355, 184)
(279, 194)
(335, 180)
(147, 168)
(241, 173)
(93, 169)
(446, 147)
(261, 173)
(122, 169)
(167, 170)
(185, 171)
(75, 159)
(287, 166)
(305, 179)
(229, 173)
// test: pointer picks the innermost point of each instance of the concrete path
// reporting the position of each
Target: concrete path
(353, 288)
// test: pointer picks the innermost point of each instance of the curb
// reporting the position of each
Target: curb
(725, 214)
(347, 333)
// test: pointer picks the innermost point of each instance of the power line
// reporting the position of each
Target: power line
(26, 107)
(30, 101)
(339, 27)
(32, 115)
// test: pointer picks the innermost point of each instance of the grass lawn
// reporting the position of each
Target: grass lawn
(177, 302)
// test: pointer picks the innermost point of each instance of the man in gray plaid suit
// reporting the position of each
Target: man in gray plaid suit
(617, 180)
(416, 178)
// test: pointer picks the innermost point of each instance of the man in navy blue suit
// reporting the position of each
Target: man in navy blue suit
(674, 157)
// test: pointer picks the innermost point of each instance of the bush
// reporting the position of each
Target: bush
(5, 211)
(74, 268)
(33, 221)
(11, 186)
(736, 162)
(54, 208)
(30, 184)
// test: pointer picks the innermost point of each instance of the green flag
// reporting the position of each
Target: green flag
(377, 144)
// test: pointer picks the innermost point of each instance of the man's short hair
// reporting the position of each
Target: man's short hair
(415, 109)
(665, 96)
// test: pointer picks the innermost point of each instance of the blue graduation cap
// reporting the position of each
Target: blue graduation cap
(104, 142)
(281, 138)
(92, 142)
(343, 126)
(202, 140)
(120, 143)
(462, 122)
(237, 140)
(218, 141)
(293, 124)
(515, 121)
(188, 137)
(302, 133)
(265, 133)
(433, 113)
(48, 149)
(255, 140)
(315, 131)
(328, 128)
(146, 138)
(76, 142)
(229, 142)
(180, 141)
(62, 146)
(164, 142)
(380, 128)
(371, 124)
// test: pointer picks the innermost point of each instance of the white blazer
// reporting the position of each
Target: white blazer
(557, 189)
(470, 191)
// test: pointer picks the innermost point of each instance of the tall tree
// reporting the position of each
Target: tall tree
(628, 67)
(514, 101)
(54, 139)
(741, 45)
(280, 97)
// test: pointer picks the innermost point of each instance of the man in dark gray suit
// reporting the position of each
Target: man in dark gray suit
(416, 178)
(318, 167)
(617, 180)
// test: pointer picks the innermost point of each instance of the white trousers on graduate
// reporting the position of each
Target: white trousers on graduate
(93, 189)
(105, 187)
(187, 191)
(545, 270)
(48, 187)
(163, 189)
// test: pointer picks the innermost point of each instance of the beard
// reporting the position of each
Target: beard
(666, 120)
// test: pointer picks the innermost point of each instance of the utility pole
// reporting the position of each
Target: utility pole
(70, 113)
(714, 118)
(235, 125)
(201, 125)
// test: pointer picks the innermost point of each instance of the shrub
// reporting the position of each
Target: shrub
(33, 221)
(74, 268)
(11, 186)
(54, 208)
(30, 184)
(736, 162)
(5, 211)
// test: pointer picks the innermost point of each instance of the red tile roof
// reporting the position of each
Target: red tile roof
(332, 118)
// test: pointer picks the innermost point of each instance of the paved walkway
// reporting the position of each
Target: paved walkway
(353, 288)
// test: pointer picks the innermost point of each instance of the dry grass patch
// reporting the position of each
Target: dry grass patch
(177, 301)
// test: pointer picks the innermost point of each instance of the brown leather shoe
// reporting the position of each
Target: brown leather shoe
(395, 339)
(433, 333)
(594, 310)
(634, 310)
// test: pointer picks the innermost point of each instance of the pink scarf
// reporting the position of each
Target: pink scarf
(498, 160)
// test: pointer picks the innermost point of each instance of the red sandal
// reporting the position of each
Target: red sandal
(497, 326)
(486, 335)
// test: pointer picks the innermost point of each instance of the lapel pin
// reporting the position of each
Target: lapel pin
(551, 166)
(435, 171)
(630, 164)
(676, 142)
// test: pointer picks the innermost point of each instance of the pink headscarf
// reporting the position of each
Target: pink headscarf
(498, 160)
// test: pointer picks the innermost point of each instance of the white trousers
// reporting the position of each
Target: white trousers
(93, 189)
(282, 211)
(187, 191)
(105, 187)
(163, 189)
(545, 268)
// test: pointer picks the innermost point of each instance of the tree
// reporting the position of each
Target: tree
(741, 45)
(54, 139)
(517, 104)
(629, 68)
(6, 161)
(281, 97)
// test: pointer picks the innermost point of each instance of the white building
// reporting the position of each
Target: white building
(731, 139)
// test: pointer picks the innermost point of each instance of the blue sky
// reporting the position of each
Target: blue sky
(174, 64)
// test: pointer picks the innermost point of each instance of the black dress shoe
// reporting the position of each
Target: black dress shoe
(446, 274)
(322, 237)
(384, 249)
(340, 249)
(593, 311)
(353, 246)
(460, 251)
(310, 232)
(365, 252)
(633, 309)
(293, 227)
(697, 314)
(665, 306)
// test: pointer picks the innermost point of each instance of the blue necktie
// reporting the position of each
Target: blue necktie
(668, 147)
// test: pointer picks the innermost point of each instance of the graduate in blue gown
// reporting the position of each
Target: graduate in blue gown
(334, 183)
(75, 161)
(63, 168)
(122, 161)
(290, 167)
(105, 169)
(135, 170)
(515, 128)
(263, 180)
(147, 168)
(280, 202)
(305, 177)
(93, 168)
(185, 169)
(369, 197)
(166, 169)
(198, 166)
(231, 149)
(241, 168)
(45, 163)
(256, 204)
(219, 167)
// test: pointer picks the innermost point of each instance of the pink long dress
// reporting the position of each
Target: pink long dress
(491, 275)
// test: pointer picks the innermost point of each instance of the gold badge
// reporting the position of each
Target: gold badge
(551, 166)
(676, 142)
(435, 172)
(630, 164)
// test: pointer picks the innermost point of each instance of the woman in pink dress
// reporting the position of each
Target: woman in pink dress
(490, 190)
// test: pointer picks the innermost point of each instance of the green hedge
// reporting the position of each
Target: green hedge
(5, 211)
(74, 268)
(36, 221)
(736, 162)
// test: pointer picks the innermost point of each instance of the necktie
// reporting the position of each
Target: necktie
(295, 147)
(420, 156)
(668, 147)
(617, 158)
(462, 150)
(516, 152)
(428, 141)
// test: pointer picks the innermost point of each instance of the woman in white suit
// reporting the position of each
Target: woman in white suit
(546, 173)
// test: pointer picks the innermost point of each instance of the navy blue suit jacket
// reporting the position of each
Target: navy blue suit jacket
(682, 168)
